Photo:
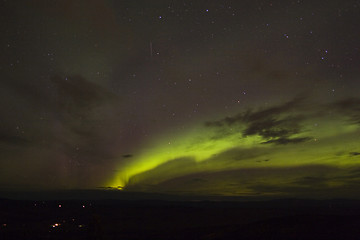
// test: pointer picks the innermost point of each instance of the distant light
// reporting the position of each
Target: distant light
(83, 206)
(56, 225)
(59, 205)
(80, 225)
(4, 225)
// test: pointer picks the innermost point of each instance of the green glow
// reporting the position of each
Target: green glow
(205, 150)
(198, 145)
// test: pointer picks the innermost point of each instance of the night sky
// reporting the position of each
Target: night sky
(230, 98)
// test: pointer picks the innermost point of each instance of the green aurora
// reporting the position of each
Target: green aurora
(230, 98)
(297, 147)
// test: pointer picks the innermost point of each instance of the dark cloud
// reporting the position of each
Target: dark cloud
(6, 138)
(348, 104)
(275, 124)
(349, 107)
(254, 116)
(87, 113)
(277, 131)
(266, 160)
(286, 190)
(234, 155)
(170, 169)
(261, 67)
(68, 125)
(282, 181)
(284, 141)
(287, 107)
(196, 180)
(313, 189)
(311, 181)
(77, 92)
(343, 177)
(354, 174)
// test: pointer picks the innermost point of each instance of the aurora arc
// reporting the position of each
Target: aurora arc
(294, 135)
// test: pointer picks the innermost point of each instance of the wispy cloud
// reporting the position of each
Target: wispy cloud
(277, 125)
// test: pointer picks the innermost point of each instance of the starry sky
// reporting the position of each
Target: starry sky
(229, 98)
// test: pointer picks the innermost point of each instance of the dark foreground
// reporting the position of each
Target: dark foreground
(115, 219)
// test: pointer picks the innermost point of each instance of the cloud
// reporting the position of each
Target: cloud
(349, 107)
(85, 118)
(276, 125)
(354, 153)
(265, 160)
(273, 128)
(79, 91)
(306, 180)
(311, 181)
(349, 103)
(11, 139)
(170, 169)
(235, 155)
(254, 116)
(68, 126)
(284, 141)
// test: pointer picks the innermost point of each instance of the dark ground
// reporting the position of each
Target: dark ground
(153, 219)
